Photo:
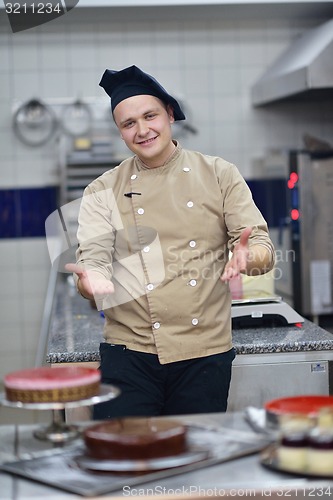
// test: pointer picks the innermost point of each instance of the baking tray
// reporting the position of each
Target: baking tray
(59, 468)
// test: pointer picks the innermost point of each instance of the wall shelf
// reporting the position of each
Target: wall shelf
(79, 168)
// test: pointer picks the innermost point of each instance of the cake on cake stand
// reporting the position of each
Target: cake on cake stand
(59, 431)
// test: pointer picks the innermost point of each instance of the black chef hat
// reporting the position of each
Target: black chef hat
(128, 82)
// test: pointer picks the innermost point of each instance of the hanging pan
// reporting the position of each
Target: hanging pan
(76, 119)
(34, 123)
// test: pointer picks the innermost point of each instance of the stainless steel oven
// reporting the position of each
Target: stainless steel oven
(304, 238)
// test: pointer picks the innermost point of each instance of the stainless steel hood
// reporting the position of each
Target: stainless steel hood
(304, 70)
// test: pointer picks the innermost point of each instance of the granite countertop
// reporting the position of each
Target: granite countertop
(76, 330)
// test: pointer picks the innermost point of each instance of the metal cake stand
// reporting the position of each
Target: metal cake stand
(58, 431)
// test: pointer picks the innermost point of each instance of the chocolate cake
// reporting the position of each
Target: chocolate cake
(135, 438)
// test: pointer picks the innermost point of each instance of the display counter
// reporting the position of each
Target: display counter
(240, 477)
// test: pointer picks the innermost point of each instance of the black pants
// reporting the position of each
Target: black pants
(148, 388)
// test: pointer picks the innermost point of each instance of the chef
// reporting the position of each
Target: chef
(155, 234)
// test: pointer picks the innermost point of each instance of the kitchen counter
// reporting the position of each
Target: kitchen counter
(76, 329)
(238, 478)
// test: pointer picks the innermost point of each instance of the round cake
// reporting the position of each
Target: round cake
(320, 456)
(320, 449)
(50, 385)
(135, 438)
(292, 454)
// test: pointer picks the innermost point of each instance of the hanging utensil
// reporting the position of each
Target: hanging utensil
(34, 123)
(77, 119)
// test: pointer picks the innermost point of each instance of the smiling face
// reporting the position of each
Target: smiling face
(145, 125)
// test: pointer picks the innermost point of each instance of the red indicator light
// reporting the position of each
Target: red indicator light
(293, 178)
(294, 214)
(299, 325)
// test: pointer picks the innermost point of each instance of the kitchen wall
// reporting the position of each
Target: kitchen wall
(210, 64)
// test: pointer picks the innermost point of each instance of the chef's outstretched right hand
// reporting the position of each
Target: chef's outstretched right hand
(91, 284)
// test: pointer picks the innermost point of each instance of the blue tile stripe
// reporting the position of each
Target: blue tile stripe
(270, 196)
(23, 211)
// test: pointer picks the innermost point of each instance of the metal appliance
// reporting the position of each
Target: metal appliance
(263, 311)
(304, 240)
(303, 71)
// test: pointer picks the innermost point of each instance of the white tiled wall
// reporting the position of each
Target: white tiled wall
(209, 64)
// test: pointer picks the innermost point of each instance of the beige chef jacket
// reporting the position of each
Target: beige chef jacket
(163, 237)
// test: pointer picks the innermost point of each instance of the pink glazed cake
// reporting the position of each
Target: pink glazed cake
(45, 385)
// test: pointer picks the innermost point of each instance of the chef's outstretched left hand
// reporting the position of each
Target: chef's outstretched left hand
(239, 259)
